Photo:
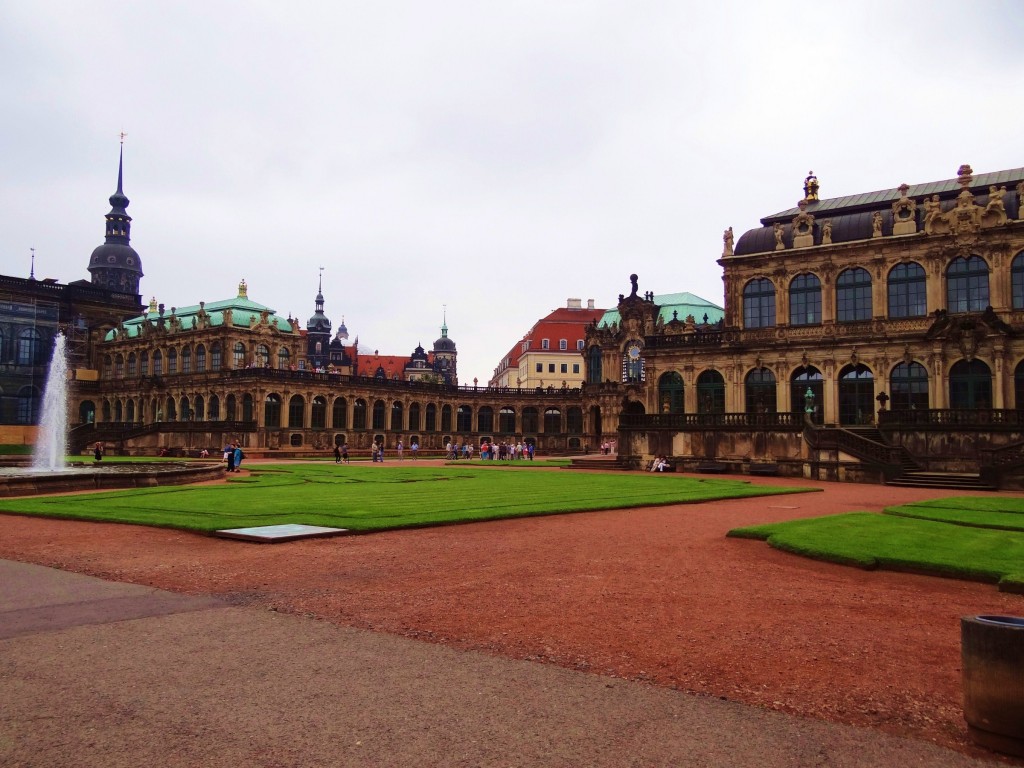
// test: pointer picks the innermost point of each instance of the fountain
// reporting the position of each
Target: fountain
(52, 439)
(50, 472)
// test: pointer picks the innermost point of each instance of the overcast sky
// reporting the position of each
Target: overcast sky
(493, 158)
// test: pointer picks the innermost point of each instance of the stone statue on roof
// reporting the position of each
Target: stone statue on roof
(727, 240)
(811, 186)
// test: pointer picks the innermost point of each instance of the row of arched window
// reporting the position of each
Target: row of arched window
(28, 346)
(335, 414)
(970, 386)
(967, 290)
(171, 361)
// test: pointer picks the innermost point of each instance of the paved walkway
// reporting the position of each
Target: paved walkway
(96, 673)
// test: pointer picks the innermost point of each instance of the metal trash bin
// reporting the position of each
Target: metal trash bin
(993, 679)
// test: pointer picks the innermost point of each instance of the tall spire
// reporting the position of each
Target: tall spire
(115, 265)
(32, 270)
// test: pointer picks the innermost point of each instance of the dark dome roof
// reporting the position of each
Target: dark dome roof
(444, 344)
(117, 255)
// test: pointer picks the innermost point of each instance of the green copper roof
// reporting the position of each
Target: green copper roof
(243, 311)
(682, 304)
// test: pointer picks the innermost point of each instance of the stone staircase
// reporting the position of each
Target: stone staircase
(954, 481)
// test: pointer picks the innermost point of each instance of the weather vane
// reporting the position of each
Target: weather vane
(32, 270)
(123, 134)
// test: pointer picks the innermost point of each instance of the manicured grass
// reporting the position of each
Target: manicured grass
(368, 497)
(961, 538)
(517, 464)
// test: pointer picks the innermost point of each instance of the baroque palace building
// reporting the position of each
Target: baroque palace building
(869, 337)
(188, 378)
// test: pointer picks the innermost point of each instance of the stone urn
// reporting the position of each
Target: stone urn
(993, 679)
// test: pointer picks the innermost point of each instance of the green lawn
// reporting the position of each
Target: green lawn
(981, 539)
(368, 497)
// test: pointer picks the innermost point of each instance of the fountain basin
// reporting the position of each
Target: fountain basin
(88, 477)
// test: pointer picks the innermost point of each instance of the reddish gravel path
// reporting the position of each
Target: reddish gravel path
(656, 594)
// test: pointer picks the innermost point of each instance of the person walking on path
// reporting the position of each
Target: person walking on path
(414, 449)
(337, 454)
(344, 452)
(399, 448)
(229, 457)
(238, 457)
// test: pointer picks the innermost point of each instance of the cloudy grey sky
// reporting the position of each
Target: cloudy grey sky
(494, 158)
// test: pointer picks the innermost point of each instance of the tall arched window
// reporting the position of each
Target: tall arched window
(670, 393)
(1017, 278)
(397, 413)
(970, 385)
(552, 421)
(507, 420)
(378, 414)
(446, 418)
(431, 418)
(248, 407)
(231, 410)
(271, 410)
(805, 300)
(215, 356)
(296, 412)
(186, 409)
(967, 285)
(531, 420)
(907, 291)
(262, 356)
(186, 360)
(118, 411)
(759, 303)
(158, 363)
(710, 392)
(200, 359)
(30, 345)
(853, 295)
(464, 419)
(119, 367)
(856, 395)
(199, 409)
(144, 364)
(759, 388)
(172, 360)
(908, 387)
(132, 364)
(359, 414)
(318, 413)
(574, 421)
(339, 413)
(414, 417)
(803, 379)
(130, 411)
(594, 375)
(485, 419)
(214, 412)
(283, 359)
(238, 355)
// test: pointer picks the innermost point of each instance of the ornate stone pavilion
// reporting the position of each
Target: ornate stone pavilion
(874, 336)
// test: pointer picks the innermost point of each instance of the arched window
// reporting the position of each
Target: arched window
(531, 420)
(296, 412)
(199, 409)
(158, 363)
(172, 360)
(185, 410)
(446, 418)
(759, 303)
(414, 417)
(104, 409)
(970, 385)
(464, 419)
(215, 356)
(908, 387)
(186, 360)
(262, 356)
(378, 414)
(594, 375)
(359, 414)
(710, 392)
(1017, 278)
(507, 420)
(131, 411)
(552, 421)
(283, 359)
(318, 413)
(118, 411)
(132, 364)
(200, 359)
(967, 285)
(907, 291)
(485, 419)
(144, 363)
(803, 379)
(431, 418)
(214, 413)
(108, 367)
(231, 410)
(574, 421)
(759, 388)
(805, 300)
(271, 410)
(339, 413)
(247, 407)
(119, 367)
(397, 412)
(238, 355)
(30, 345)
(853, 295)
(856, 395)
(172, 409)
(670, 393)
